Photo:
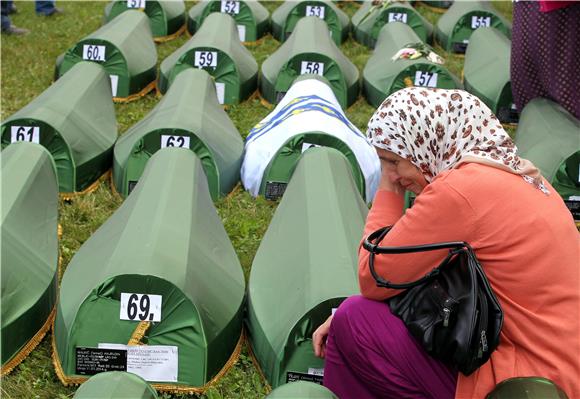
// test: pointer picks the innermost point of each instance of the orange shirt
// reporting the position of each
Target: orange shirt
(528, 245)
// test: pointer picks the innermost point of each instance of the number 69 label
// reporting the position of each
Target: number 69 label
(140, 307)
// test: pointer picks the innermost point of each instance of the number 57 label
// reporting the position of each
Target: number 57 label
(140, 307)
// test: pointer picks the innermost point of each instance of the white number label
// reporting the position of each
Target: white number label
(93, 53)
(140, 307)
(426, 79)
(315, 11)
(114, 84)
(398, 17)
(242, 32)
(479, 22)
(174, 141)
(230, 7)
(205, 59)
(135, 3)
(220, 90)
(316, 68)
(25, 133)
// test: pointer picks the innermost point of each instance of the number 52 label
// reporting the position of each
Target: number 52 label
(140, 307)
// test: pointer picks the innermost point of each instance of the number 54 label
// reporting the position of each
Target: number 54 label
(140, 307)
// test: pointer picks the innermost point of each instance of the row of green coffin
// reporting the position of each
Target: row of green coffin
(118, 384)
(125, 47)
(166, 241)
(129, 386)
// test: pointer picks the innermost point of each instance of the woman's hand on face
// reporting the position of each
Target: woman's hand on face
(387, 183)
(319, 338)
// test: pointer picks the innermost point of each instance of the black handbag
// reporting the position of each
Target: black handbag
(452, 310)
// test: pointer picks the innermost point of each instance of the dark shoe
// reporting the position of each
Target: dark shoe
(16, 31)
(54, 11)
(13, 10)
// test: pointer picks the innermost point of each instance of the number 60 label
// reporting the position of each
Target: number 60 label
(140, 307)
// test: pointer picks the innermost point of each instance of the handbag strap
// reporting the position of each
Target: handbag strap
(371, 244)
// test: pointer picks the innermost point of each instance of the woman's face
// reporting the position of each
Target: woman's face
(400, 170)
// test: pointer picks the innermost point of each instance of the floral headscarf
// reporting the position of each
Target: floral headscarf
(437, 130)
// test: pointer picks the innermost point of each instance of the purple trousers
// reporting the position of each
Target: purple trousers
(370, 354)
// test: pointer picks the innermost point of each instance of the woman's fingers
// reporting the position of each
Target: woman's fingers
(319, 338)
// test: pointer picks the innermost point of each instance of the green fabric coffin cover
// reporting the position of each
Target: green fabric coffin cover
(369, 20)
(75, 120)
(129, 57)
(166, 239)
(165, 17)
(549, 136)
(285, 19)
(115, 385)
(309, 50)
(382, 75)
(189, 116)
(527, 388)
(301, 390)
(455, 27)
(217, 49)
(252, 18)
(29, 248)
(440, 5)
(486, 72)
(295, 280)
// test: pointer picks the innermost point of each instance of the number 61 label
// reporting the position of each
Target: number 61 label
(140, 307)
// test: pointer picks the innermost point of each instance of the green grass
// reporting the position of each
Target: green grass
(27, 68)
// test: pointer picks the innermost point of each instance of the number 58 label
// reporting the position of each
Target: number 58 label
(140, 307)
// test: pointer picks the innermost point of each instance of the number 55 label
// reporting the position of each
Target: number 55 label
(140, 307)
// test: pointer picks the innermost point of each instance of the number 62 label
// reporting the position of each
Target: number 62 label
(140, 307)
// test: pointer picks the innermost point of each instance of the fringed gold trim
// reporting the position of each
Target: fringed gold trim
(408, 82)
(257, 366)
(139, 333)
(182, 389)
(30, 345)
(66, 380)
(89, 189)
(113, 188)
(255, 42)
(265, 102)
(434, 9)
(136, 96)
(234, 191)
(163, 39)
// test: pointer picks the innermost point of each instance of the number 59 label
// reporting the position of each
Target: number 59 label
(140, 307)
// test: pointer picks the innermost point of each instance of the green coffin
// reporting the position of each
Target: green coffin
(166, 239)
(455, 27)
(166, 18)
(295, 280)
(125, 48)
(285, 19)
(115, 385)
(369, 20)
(75, 120)
(217, 49)
(300, 55)
(437, 6)
(527, 388)
(188, 116)
(301, 390)
(252, 18)
(486, 72)
(549, 136)
(29, 249)
(382, 75)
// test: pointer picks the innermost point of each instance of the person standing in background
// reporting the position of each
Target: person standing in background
(46, 8)
(545, 56)
(7, 7)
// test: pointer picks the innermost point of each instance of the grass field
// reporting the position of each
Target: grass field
(27, 68)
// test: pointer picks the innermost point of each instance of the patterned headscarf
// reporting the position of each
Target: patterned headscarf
(437, 130)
